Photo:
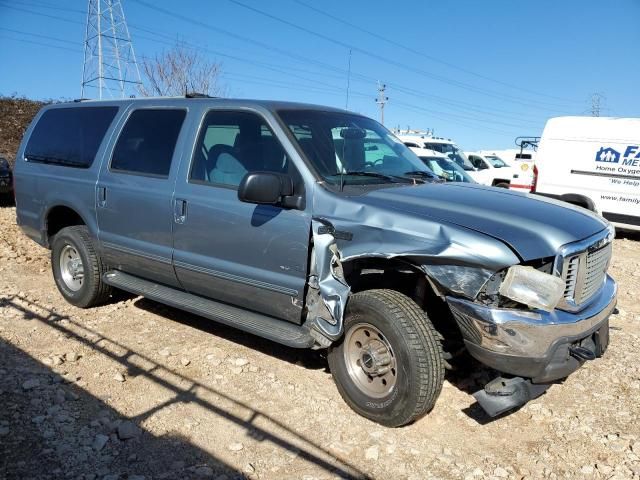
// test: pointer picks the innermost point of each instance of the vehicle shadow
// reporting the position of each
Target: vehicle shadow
(468, 375)
(6, 200)
(311, 359)
(628, 235)
(50, 428)
(182, 390)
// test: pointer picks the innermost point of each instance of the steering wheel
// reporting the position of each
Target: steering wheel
(373, 163)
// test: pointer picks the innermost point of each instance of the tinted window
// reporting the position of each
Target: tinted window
(69, 136)
(231, 144)
(147, 142)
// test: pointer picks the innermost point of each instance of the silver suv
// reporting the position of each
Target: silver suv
(317, 228)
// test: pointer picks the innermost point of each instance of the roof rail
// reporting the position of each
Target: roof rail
(197, 95)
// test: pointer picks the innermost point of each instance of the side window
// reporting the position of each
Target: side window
(231, 144)
(69, 136)
(147, 142)
(477, 162)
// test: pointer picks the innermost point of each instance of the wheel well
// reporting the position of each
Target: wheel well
(61, 217)
(402, 276)
(579, 200)
(496, 181)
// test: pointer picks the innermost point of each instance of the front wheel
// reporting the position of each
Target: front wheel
(388, 367)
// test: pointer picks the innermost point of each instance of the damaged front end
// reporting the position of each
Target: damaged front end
(501, 310)
(442, 264)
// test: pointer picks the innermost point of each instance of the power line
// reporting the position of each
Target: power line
(453, 104)
(272, 48)
(424, 55)
(454, 118)
(440, 78)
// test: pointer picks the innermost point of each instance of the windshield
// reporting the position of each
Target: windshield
(496, 162)
(453, 152)
(349, 149)
(447, 169)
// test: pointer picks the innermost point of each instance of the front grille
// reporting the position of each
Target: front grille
(595, 270)
(584, 273)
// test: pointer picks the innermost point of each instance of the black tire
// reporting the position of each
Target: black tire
(502, 185)
(92, 290)
(415, 349)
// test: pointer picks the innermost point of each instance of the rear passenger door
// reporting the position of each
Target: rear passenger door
(134, 194)
(253, 256)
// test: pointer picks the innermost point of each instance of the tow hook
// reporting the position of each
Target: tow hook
(581, 353)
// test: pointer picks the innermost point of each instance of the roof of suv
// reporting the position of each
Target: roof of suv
(226, 102)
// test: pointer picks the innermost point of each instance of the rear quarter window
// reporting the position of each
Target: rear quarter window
(69, 136)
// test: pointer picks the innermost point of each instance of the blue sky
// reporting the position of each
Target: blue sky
(481, 73)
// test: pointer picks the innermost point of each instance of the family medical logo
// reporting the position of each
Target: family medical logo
(607, 154)
(631, 156)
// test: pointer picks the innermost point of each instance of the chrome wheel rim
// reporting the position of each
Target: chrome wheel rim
(370, 360)
(71, 268)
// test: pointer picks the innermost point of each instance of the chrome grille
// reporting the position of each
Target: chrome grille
(595, 270)
(571, 278)
(584, 271)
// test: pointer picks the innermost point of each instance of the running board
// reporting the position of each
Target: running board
(264, 326)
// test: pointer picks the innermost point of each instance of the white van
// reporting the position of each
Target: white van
(438, 144)
(593, 162)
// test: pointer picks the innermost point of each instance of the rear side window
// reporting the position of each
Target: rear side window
(69, 136)
(147, 142)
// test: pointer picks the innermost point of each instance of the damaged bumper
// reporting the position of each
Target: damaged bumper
(541, 346)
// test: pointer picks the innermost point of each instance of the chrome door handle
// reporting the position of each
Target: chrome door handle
(180, 211)
(102, 196)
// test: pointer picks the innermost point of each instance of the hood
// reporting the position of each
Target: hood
(534, 227)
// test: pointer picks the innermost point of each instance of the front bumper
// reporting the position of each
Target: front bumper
(533, 343)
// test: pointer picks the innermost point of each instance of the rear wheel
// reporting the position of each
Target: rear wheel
(388, 367)
(77, 268)
(502, 185)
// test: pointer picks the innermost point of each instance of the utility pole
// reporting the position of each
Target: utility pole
(346, 105)
(597, 99)
(110, 65)
(381, 100)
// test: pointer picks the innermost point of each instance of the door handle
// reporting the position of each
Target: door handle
(180, 210)
(102, 196)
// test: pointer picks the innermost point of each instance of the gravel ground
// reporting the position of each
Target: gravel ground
(135, 390)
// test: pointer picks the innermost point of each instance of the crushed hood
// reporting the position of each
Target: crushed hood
(534, 227)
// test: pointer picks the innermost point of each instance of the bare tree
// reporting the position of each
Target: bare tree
(181, 70)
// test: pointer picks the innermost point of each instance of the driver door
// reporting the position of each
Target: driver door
(253, 256)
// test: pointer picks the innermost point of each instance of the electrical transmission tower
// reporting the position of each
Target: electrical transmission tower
(109, 61)
(381, 100)
(597, 99)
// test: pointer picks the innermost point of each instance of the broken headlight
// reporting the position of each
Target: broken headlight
(532, 287)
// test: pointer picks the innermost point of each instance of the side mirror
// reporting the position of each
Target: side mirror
(264, 188)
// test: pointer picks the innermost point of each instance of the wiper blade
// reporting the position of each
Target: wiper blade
(363, 173)
(424, 174)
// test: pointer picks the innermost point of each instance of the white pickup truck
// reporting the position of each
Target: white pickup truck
(490, 169)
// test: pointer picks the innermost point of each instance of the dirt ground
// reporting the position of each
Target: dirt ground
(135, 390)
